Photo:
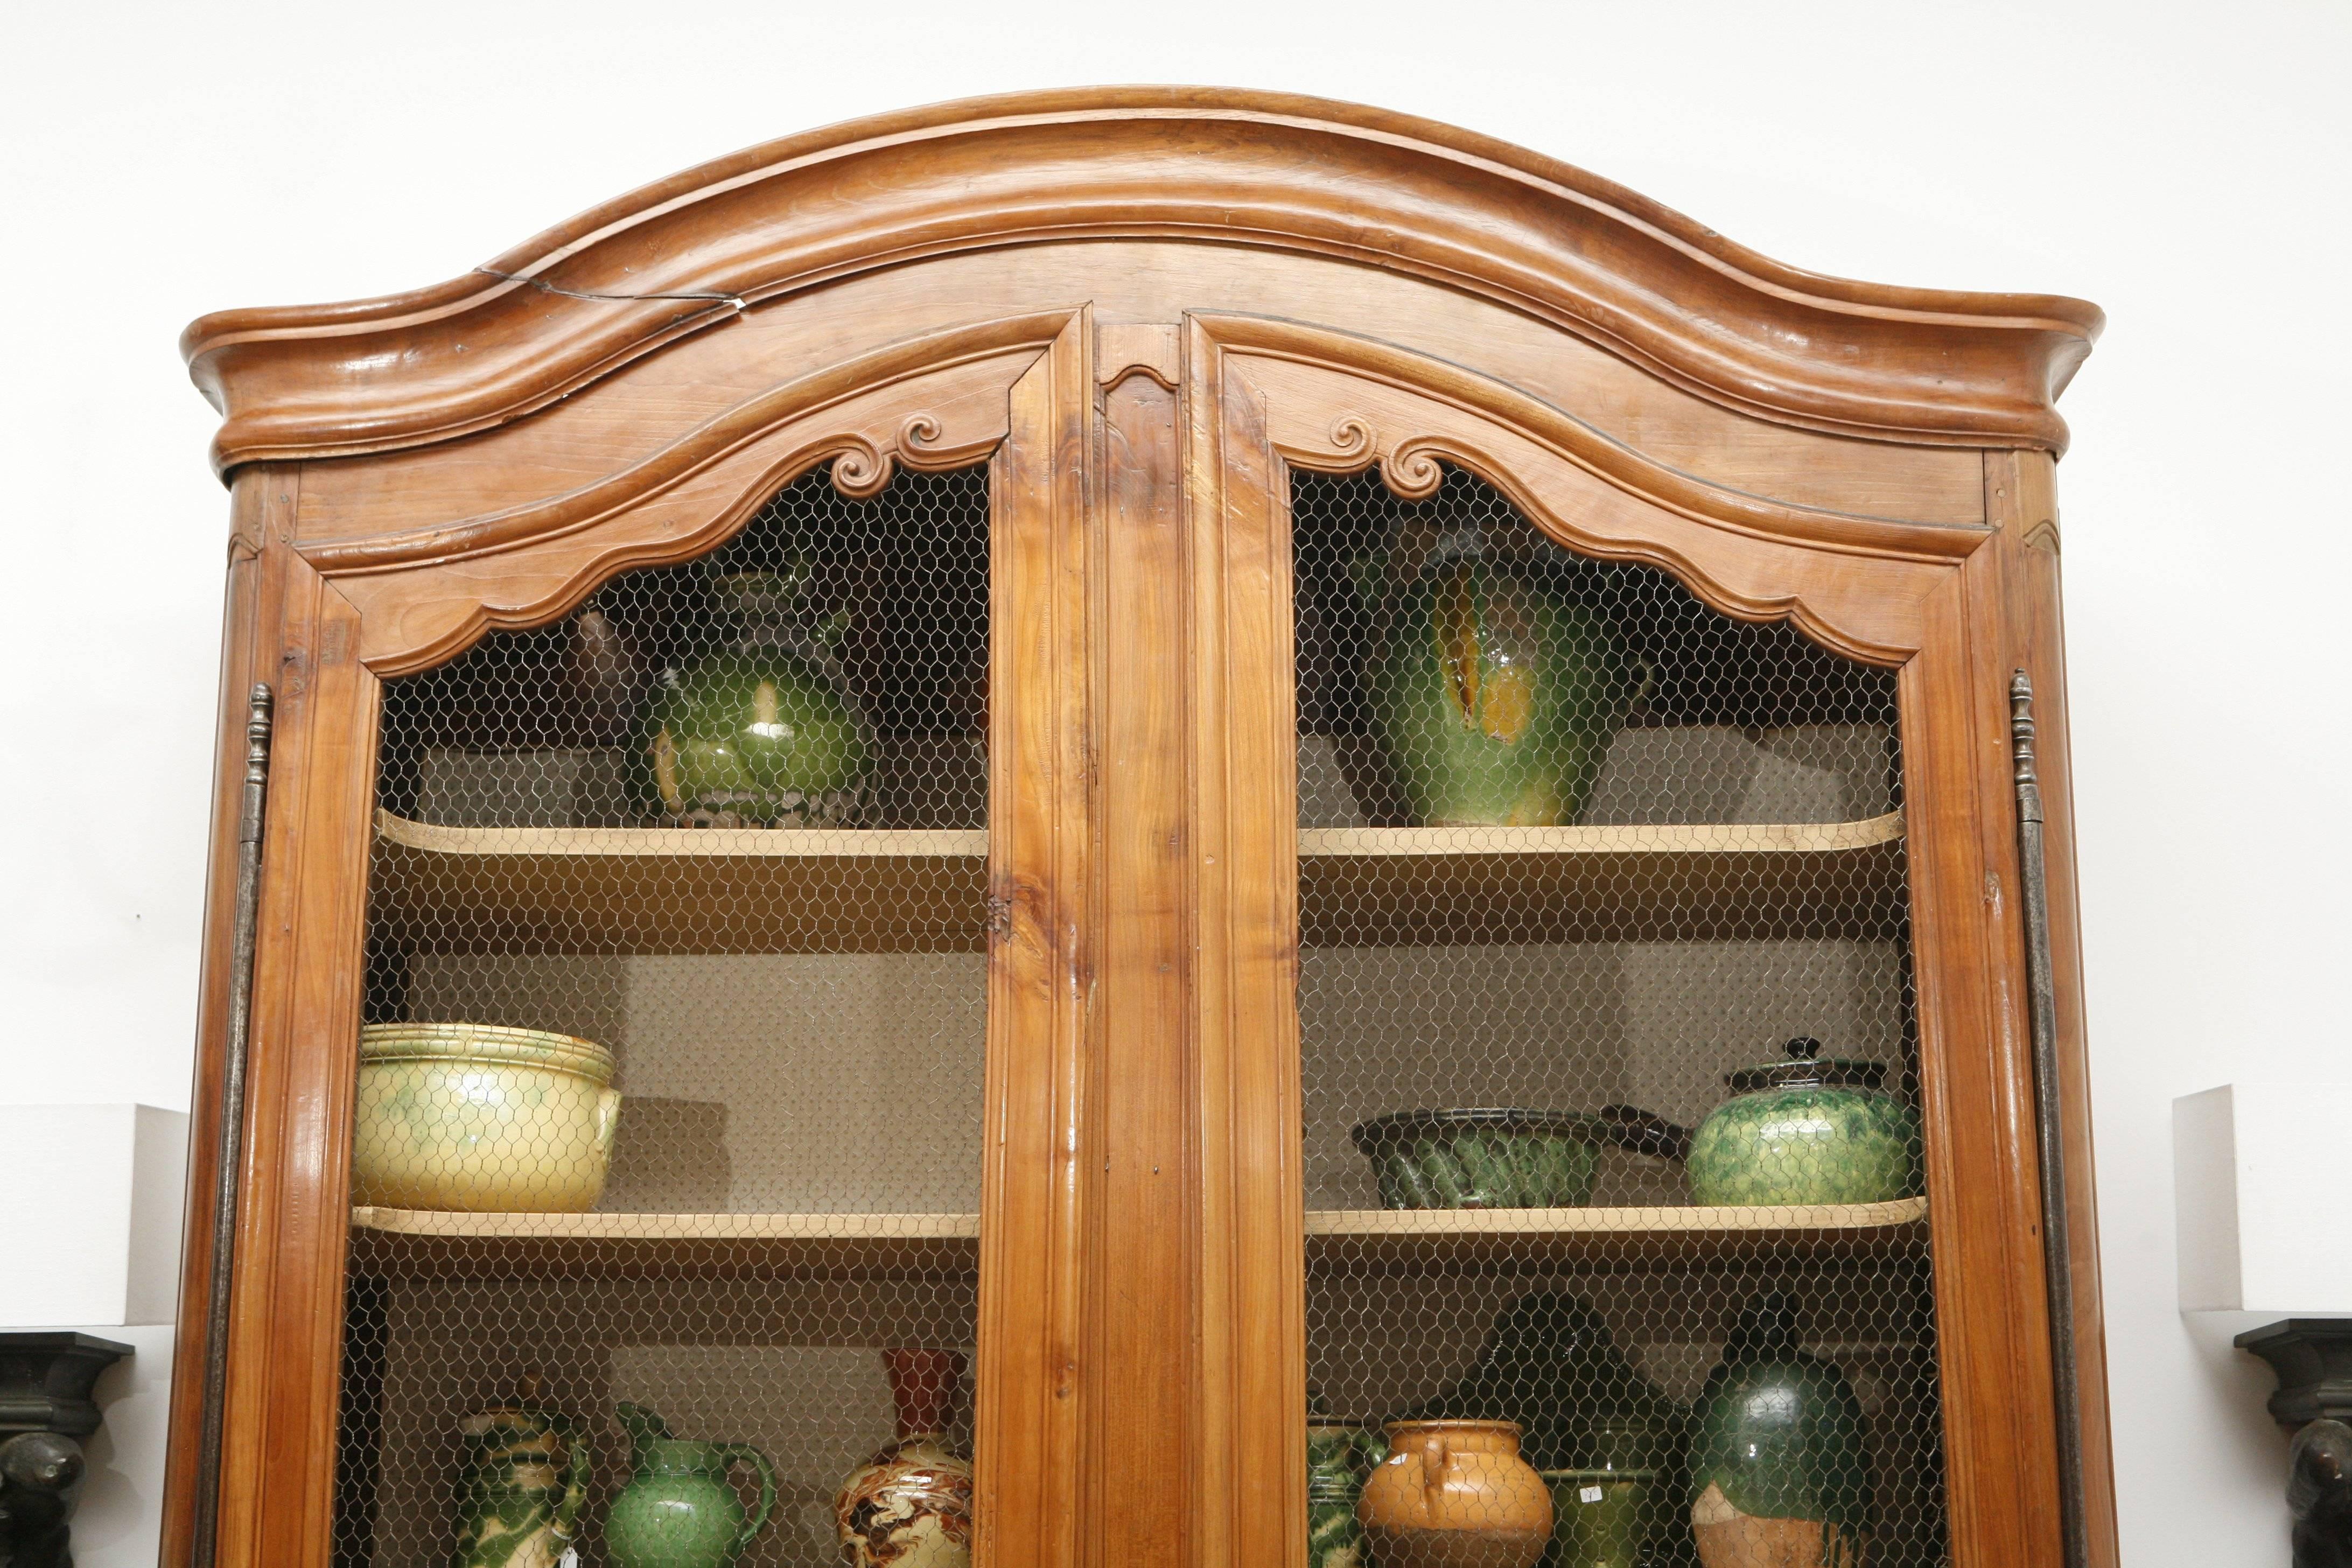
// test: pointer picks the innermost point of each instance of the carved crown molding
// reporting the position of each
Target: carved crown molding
(1241, 168)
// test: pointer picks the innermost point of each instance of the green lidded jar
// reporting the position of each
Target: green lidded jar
(1495, 692)
(1779, 1466)
(763, 734)
(1807, 1130)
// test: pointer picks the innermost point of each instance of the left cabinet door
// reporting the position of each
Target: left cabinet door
(660, 1060)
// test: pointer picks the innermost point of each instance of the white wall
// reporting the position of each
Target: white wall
(2183, 166)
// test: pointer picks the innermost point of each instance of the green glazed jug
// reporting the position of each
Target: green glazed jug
(764, 733)
(1497, 693)
(519, 1496)
(1779, 1470)
(679, 1510)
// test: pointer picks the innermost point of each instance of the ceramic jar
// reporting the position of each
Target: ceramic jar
(482, 1119)
(679, 1508)
(1339, 1456)
(910, 1505)
(764, 733)
(519, 1495)
(1454, 1494)
(1779, 1470)
(1601, 1519)
(1495, 692)
(1807, 1130)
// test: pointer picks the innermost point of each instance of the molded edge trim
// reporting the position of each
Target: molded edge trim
(1260, 169)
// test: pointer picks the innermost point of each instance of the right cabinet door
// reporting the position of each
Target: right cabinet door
(1615, 1230)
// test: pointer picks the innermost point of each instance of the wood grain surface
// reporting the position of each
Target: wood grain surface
(1145, 309)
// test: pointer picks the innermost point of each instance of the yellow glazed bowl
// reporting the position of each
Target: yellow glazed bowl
(481, 1118)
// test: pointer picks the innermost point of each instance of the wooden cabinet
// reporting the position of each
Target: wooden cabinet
(1131, 479)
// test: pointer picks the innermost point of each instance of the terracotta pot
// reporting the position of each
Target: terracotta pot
(1456, 1494)
(481, 1118)
(910, 1505)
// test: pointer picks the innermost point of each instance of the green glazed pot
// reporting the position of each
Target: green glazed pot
(1497, 694)
(1489, 1158)
(519, 1496)
(1601, 1519)
(1338, 1458)
(1778, 1459)
(1806, 1131)
(679, 1510)
(763, 734)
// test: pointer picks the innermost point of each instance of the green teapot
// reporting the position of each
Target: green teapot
(764, 733)
(1779, 1470)
(1807, 1130)
(1497, 693)
(519, 1495)
(679, 1510)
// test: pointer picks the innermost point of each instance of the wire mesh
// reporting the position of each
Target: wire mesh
(716, 844)
(1580, 857)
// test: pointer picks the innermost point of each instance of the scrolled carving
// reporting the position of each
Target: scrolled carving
(919, 431)
(861, 469)
(1413, 470)
(1351, 436)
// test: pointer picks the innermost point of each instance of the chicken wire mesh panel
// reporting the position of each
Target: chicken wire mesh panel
(1612, 1164)
(667, 1155)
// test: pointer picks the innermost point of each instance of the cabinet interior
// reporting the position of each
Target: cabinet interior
(798, 1017)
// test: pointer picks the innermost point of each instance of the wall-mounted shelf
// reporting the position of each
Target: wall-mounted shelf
(1392, 886)
(685, 890)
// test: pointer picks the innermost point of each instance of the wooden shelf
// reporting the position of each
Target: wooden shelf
(685, 890)
(680, 890)
(425, 1241)
(433, 1241)
(1411, 1239)
(1369, 886)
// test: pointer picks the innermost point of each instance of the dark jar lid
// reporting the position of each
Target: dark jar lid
(1806, 1070)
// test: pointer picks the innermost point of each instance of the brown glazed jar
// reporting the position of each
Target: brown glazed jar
(1456, 1494)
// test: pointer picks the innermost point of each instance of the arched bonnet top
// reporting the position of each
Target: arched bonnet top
(1235, 168)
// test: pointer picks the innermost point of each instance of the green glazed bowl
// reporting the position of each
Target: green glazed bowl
(1488, 1158)
(1806, 1131)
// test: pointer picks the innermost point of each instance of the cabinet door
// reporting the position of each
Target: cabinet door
(718, 1080)
(1592, 1050)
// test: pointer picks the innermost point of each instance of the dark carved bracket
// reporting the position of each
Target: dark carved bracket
(46, 1407)
(2313, 1358)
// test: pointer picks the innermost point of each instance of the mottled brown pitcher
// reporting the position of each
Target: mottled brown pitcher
(1456, 1494)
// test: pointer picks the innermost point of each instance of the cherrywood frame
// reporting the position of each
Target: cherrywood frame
(1143, 308)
